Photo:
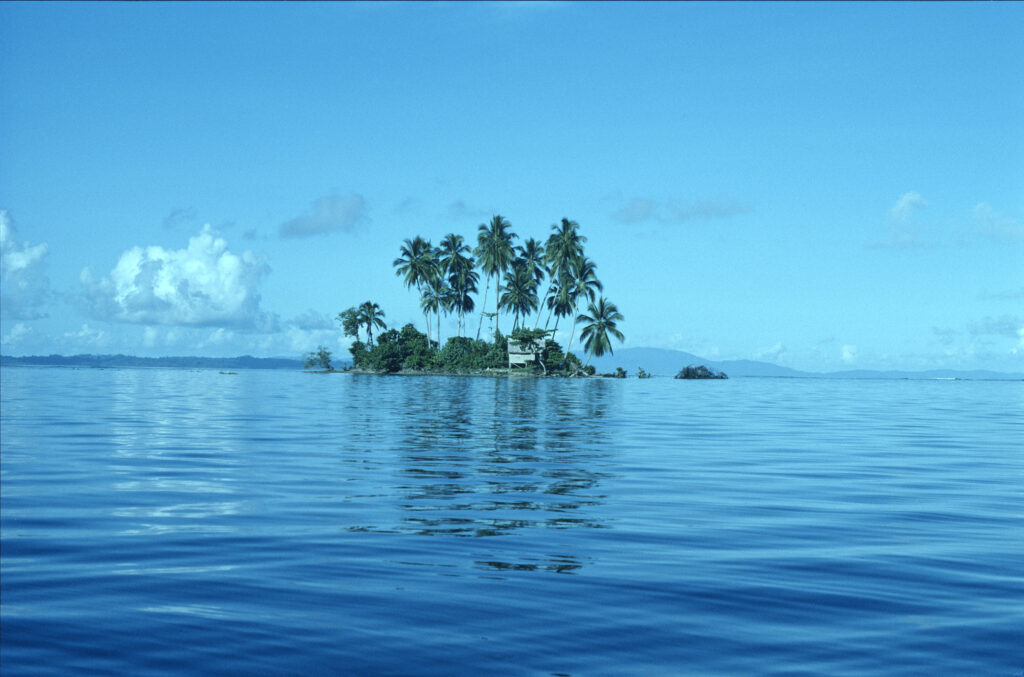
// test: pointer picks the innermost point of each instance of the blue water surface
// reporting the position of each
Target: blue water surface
(158, 521)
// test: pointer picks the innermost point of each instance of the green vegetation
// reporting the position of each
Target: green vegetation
(409, 349)
(321, 357)
(446, 278)
(640, 373)
(701, 372)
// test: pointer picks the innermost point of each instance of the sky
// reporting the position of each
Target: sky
(822, 186)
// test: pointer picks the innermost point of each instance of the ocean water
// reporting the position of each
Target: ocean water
(170, 522)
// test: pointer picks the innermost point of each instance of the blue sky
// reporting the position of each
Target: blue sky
(823, 186)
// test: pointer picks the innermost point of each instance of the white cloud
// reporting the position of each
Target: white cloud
(902, 231)
(218, 337)
(906, 205)
(17, 333)
(771, 354)
(87, 336)
(24, 286)
(996, 226)
(1019, 348)
(328, 213)
(848, 354)
(203, 285)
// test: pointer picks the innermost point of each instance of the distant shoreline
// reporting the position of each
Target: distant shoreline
(281, 363)
(180, 362)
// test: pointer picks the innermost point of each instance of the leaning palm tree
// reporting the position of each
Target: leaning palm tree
(417, 265)
(370, 315)
(494, 254)
(584, 285)
(599, 321)
(520, 291)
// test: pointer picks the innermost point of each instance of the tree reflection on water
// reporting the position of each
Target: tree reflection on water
(481, 457)
(486, 457)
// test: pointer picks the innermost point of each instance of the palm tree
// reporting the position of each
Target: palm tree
(531, 254)
(370, 315)
(564, 246)
(463, 284)
(520, 291)
(458, 268)
(494, 253)
(584, 283)
(600, 319)
(433, 300)
(417, 265)
(559, 302)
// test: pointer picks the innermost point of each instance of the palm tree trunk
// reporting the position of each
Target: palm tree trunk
(571, 335)
(482, 306)
(540, 310)
(438, 328)
(497, 303)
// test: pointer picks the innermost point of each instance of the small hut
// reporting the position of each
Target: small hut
(523, 354)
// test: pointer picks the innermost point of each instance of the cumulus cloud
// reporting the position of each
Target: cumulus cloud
(643, 209)
(202, 285)
(902, 231)
(24, 286)
(16, 334)
(87, 336)
(997, 226)
(906, 205)
(848, 354)
(327, 214)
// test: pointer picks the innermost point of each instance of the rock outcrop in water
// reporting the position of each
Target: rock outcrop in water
(692, 372)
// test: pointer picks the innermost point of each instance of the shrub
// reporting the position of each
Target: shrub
(701, 372)
(321, 357)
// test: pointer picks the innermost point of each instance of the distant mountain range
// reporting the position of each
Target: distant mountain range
(656, 361)
(663, 362)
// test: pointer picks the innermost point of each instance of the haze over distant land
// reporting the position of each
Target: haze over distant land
(655, 361)
(815, 187)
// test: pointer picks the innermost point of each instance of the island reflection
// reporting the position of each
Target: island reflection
(479, 457)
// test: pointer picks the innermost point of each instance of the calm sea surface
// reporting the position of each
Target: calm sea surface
(177, 522)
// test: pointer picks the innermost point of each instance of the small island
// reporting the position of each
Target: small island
(701, 372)
(446, 279)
